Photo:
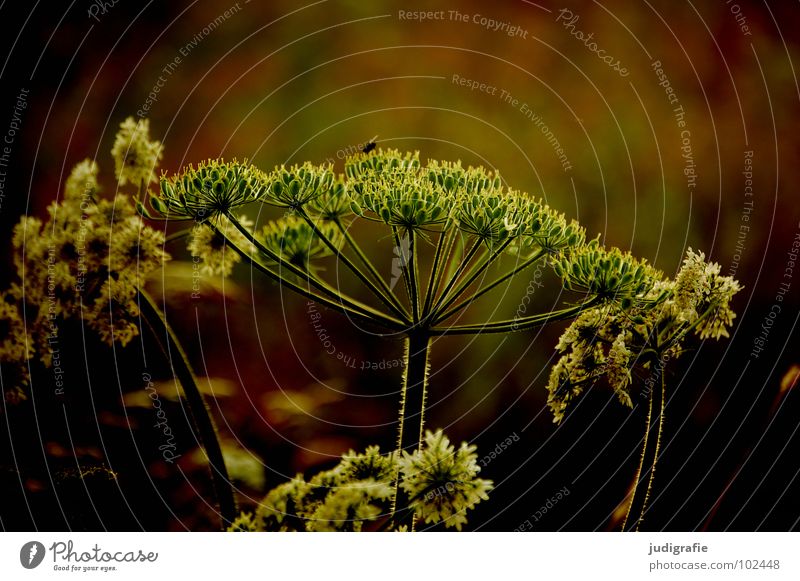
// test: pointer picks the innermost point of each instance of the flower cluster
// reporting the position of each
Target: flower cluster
(364, 166)
(369, 465)
(610, 275)
(385, 186)
(537, 226)
(295, 186)
(702, 296)
(356, 491)
(293, 239)
(490, 218)
(332, 204)
(452, 177)
(135, 156)
(85, 262)
(404, 199)
(209, 242)
(348, 507)
(441, 481)
(212, 189)
(644, 321)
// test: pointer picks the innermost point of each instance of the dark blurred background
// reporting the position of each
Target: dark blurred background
(280, 82)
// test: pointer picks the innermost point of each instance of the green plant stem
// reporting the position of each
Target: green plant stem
(412, 413)
(483, 290)
(272, 255)
(413, 273)
(681, 334)
(378, 292)
(364, 313)
(476, 272)
(457, 240)
(177, 235)
(403, 261)
(462, 266)
(199, 411)
(398, 308)
(351, 305)
(470, 268)
(647, 463)
(520, 324)
(436, 270)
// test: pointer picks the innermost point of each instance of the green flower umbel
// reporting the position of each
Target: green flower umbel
(212, 189)
(643, 320)
(293, 239)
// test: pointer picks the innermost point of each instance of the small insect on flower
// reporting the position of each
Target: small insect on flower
(370, 145)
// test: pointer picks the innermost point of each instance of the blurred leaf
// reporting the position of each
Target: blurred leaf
(243, 465)
(321, 450)
(789, 380)
(289, 404)
(209, 386)
(182, 278)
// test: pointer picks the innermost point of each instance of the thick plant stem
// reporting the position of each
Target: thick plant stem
(647, 463)
(200, 414)
(415, 383)
(412, 413)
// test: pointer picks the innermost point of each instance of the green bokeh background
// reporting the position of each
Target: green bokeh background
(279, 82)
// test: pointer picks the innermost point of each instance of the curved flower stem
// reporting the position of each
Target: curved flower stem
(650, 449)
(198, 410)
(397, 307)
(340, 303)
(520, 324)
(378, 292)
(412, 414)
(482, 291)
